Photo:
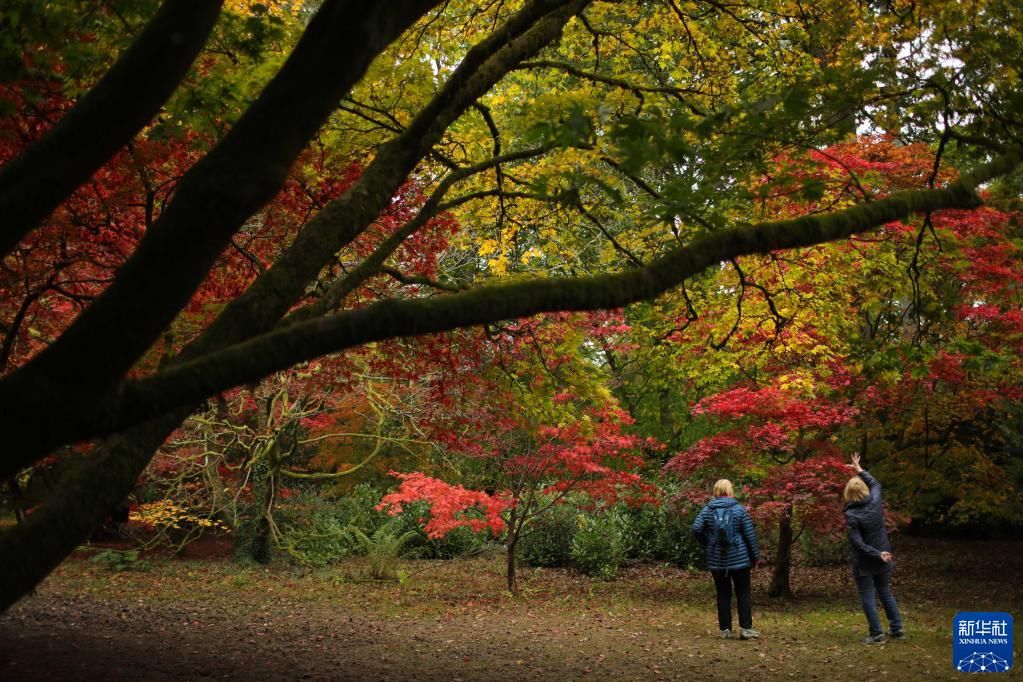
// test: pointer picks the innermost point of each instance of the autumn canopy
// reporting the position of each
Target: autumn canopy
(527, 255)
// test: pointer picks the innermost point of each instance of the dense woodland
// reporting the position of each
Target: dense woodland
(415, 278)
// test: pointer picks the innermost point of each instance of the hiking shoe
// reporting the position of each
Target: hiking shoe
(726, 634)
(898, 634)
(748, 633)
(875, 639)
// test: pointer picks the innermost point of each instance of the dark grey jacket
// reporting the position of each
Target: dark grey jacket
(864, 524)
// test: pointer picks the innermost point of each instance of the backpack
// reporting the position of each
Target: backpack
(724, 529)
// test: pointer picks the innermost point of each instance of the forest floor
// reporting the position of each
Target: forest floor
(209, 618)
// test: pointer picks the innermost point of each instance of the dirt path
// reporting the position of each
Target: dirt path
(214, 620)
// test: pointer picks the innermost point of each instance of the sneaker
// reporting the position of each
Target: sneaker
(726, 634)
(748, 633)
(875, 639)
(898, 634)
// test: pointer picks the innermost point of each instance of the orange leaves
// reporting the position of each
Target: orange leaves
(449, 504)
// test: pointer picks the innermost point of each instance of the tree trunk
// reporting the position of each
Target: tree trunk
(780, 586)
(513, 586)
(263, 495)
(513, 540)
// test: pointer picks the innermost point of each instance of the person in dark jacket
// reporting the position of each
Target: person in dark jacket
(725, 530)
(870, 552)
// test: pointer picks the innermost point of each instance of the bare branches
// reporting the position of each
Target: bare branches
(414, 280)
(371, 265)
(680, 94)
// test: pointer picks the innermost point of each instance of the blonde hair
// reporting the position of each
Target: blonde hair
(855, 490)
(723, 488)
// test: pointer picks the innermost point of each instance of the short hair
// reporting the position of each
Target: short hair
(723, 488)
(855, 490)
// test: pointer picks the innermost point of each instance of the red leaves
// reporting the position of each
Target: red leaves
(778, 432)
(787, 411)
(448, 504)
(61, 266)
(591, 455)
(948, 367)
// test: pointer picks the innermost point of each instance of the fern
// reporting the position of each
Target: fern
(383, 549)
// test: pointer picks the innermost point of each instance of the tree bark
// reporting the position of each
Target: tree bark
(16, 498)
(780, 585)
(260, 547)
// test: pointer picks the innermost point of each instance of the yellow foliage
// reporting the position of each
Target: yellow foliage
(487, 247)
(164, 514)
(275, 7)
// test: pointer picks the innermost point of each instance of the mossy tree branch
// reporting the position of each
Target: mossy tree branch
(250, 360)
(393, 318)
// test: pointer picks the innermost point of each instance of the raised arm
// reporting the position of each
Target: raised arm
(872, 483)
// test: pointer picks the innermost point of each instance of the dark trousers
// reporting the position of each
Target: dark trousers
(880, 584)
(723, 583)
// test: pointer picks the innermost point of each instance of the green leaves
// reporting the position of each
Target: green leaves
(574, 129)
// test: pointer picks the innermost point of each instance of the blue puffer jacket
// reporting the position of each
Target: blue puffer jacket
(864, 524)
(721, 556)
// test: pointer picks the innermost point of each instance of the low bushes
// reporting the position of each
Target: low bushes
(597, 541)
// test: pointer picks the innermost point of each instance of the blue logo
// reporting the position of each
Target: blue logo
(982, 642)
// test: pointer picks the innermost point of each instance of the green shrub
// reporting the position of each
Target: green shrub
(121, 560)
(419, 546)
(598, 547)
(319, 541)
(644, 531)
(358, 508)
(316, 531)
(675, 543)
(459, 543)
(817, 549)
(547, 541)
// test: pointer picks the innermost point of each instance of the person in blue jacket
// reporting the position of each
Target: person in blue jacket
(725, 530)
(870, 552)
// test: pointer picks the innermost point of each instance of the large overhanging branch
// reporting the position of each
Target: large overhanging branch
(217, 195)
(251, 360)
(34, 548)
(106, 119)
